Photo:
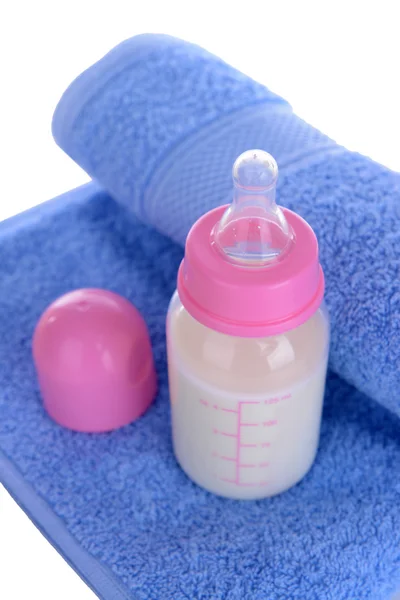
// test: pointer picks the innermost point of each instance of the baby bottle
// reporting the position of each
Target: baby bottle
(248, 337)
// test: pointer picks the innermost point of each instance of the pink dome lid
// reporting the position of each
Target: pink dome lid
(94, 361)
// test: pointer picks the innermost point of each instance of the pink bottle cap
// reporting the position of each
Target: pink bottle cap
(94, 362)
(251, 269)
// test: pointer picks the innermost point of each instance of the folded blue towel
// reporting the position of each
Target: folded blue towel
(118, 507)
(158, 122)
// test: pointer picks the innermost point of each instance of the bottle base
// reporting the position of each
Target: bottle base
(241, 491)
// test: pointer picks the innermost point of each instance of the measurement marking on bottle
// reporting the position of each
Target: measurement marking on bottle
(226, 433)
(239, 419)
(242, 484)
(277, 399)
(241, 465)
(272, 400)
(240, 425)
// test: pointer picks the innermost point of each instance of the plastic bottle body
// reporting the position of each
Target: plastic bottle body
(245, 411)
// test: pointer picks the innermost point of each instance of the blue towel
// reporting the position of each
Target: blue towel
(158, 122)
(117, 505)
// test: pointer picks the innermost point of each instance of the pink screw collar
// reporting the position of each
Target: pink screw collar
(249, 302)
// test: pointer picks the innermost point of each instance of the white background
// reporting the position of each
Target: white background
(336, 62)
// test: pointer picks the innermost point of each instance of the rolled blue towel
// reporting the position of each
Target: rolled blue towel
(158, 122)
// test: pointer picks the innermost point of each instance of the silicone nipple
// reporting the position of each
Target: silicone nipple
(253, 231)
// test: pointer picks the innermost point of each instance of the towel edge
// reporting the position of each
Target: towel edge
(98, 577)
